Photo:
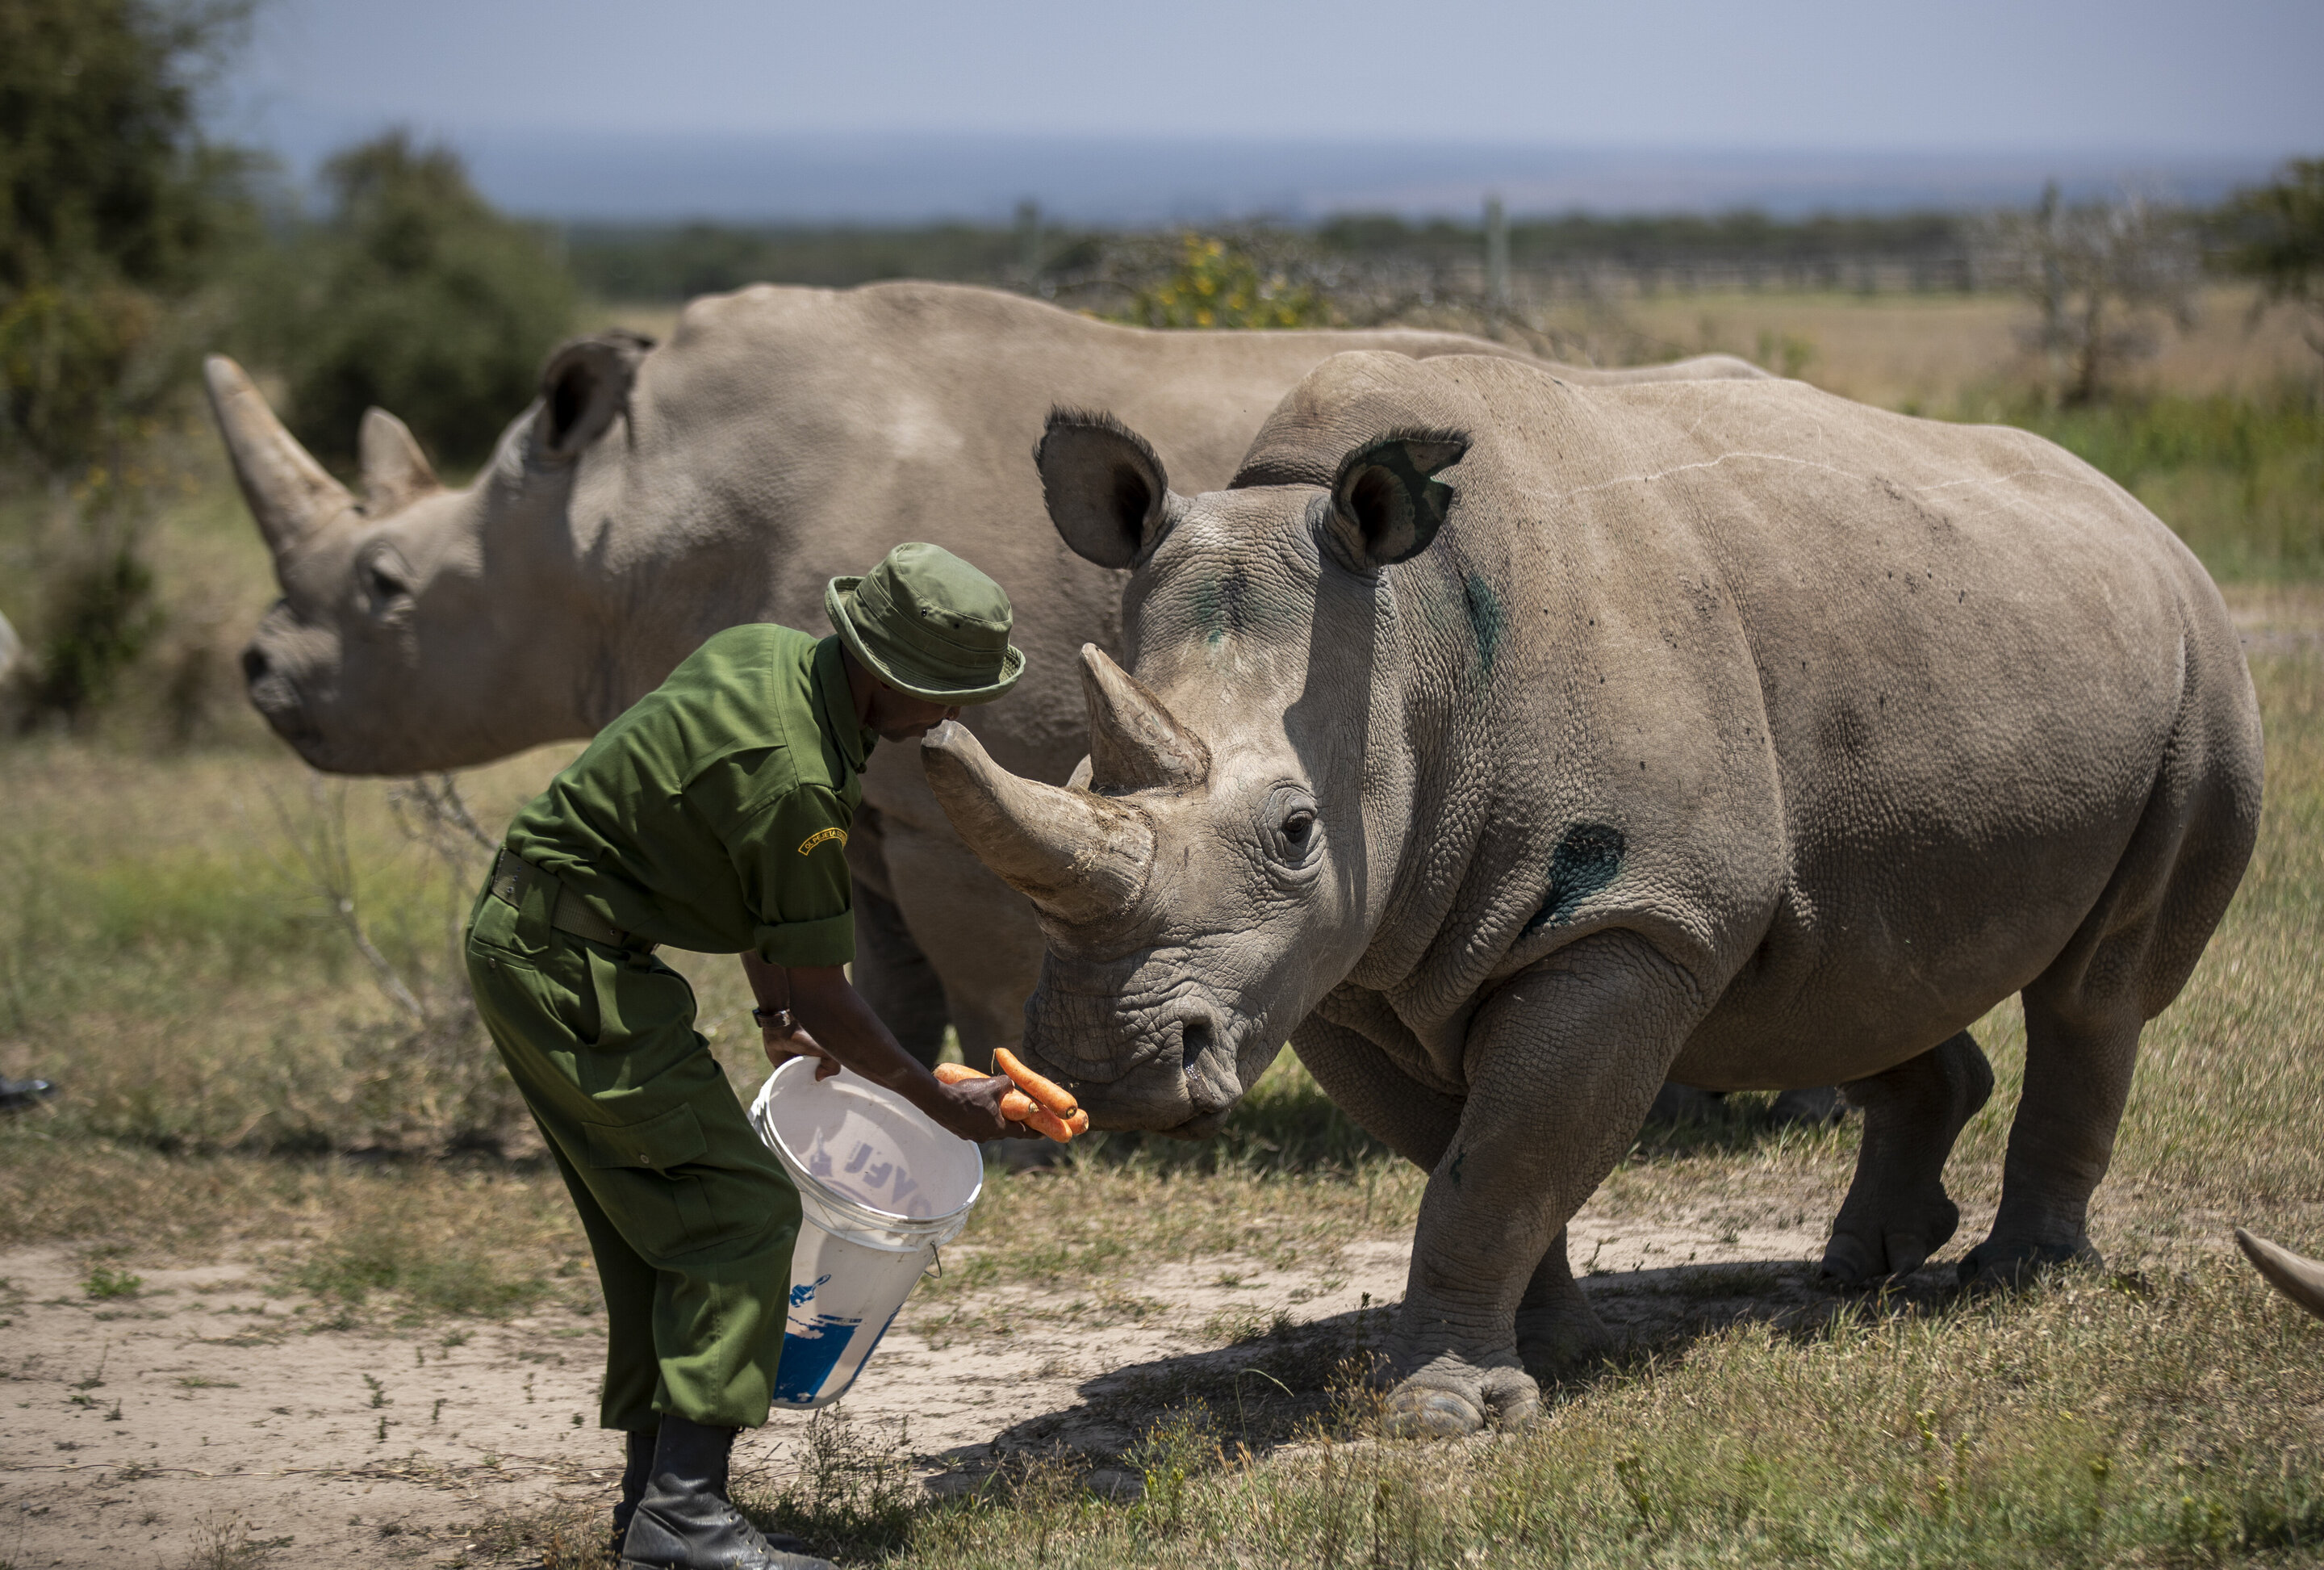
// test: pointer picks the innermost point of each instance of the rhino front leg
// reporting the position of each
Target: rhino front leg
(1365, 1083)
(1556, 1327)
(1562, 1063)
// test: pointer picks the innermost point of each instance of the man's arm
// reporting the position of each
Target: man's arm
(833, 1022)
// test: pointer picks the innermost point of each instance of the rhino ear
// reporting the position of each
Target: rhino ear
(583, 386)
(1106, 487)
(1384, 506)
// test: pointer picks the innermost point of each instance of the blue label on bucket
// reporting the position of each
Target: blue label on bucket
(808, 1357)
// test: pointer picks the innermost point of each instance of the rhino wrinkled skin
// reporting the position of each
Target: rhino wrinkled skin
(656, 494)
(1511, 746)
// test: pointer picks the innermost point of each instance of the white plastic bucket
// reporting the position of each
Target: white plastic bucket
(880, 1187)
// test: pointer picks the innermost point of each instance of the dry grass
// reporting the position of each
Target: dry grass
(1929, 351)
(2159, 1419)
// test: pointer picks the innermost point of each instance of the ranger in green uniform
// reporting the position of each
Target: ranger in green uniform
(713, 816)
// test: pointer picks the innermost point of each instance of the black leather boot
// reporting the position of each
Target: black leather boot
(634, 1472)
(685, 1523)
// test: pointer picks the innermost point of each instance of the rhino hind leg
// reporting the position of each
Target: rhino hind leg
(1807, 1108)
(1897, 1212)
(2077, 1071)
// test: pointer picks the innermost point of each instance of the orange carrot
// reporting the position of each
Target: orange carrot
(1049, 1123)
(1052, 1095)
(1019, 1108)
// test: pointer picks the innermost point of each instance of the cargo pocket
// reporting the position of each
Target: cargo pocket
(650, 1181)
(671, 1140)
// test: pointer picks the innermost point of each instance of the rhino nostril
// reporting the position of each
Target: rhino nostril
(1212, 1084)
(254, 664)
(1194, 1042)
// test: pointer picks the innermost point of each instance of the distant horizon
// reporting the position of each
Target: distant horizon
(905, 179)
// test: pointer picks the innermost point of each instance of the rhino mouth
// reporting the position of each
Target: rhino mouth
(1182, 1082)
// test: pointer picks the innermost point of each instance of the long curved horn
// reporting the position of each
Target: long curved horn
(1080, 858)
(2302, 1281)
(1135, 743)
(290, 493)
(395, 472)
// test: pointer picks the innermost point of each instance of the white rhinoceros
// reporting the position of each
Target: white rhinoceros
(653, 495)
(1514, 746)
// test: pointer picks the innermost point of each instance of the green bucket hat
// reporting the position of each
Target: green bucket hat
(927, 623)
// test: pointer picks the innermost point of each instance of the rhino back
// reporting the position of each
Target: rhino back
(787, 436)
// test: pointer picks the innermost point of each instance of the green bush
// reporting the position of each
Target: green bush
(2240, 479)
(1220, 283)
(413, 294)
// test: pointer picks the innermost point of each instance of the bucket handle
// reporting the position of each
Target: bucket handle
(936, 1269)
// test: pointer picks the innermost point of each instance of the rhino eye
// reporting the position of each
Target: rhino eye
(385, 581)
(1293, 830)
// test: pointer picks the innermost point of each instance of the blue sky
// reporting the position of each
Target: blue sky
(2129, 79)
(2222, 76)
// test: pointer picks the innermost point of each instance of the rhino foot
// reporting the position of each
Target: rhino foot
(1999, 1265)
(1874, 1243)
(1450, 1398)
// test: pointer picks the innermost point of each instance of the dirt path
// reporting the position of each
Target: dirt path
(204, 1422)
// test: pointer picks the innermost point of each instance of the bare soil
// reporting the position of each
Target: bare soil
(204, 1421)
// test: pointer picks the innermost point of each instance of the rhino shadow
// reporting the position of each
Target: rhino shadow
(1296, 1383)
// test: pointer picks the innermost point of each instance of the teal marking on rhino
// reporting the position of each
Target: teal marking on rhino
(1485, 617)
(1587, 859)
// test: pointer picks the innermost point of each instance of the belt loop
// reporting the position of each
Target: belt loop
(536, 907)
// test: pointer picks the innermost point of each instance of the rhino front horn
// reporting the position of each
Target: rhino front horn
(1080, 858)
(2302, 1281)
(291, 495)
(1135, 743)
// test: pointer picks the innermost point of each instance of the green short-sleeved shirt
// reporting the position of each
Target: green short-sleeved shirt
(714, 814)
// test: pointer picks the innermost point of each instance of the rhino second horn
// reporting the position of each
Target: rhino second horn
(1135, 743)
(395, 472)
(1080, 858)
(2302, 1281)
(291, 495)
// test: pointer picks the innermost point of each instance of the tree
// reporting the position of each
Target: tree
(416, 295)
(2101, 275)
(112, 206)
(113, 210)
(2274, 233)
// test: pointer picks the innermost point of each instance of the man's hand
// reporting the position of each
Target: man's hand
(971, 1109)
(783, 1046)
(820, 996)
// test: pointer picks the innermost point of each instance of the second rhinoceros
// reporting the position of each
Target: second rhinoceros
(1512, 745)
(658, 493)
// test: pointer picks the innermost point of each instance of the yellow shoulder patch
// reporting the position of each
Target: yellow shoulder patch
(819, 835)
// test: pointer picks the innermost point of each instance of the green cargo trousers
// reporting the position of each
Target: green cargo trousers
(689, 1214)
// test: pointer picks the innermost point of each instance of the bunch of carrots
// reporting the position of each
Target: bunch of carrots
(1037, 1102)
